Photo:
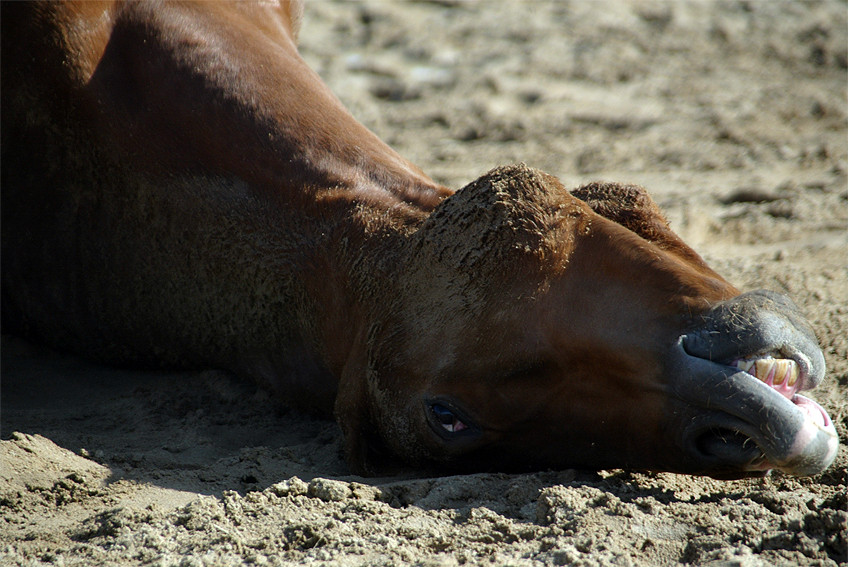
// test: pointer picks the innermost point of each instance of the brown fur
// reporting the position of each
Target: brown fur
(180, 189)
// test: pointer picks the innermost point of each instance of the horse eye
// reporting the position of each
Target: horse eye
(447, 419)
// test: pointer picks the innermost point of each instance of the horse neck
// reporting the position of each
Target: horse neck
(221, 107)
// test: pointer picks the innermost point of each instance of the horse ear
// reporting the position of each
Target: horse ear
(365, 451)
(633, 208)
(628, 205)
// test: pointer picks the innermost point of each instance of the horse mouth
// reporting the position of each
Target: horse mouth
(755, 419)
(784, 376)
(787, 377)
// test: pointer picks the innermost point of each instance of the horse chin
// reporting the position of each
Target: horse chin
(733, 424)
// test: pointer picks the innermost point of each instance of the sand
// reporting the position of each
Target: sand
(733, 115)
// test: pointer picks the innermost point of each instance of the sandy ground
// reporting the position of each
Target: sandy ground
(733, 114)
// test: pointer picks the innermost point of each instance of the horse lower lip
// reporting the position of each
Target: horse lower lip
(813, 410)
(815, 441)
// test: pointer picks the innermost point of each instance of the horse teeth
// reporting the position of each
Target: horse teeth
(781, 372)
(780, 369)
(763, 367)
(794, 373)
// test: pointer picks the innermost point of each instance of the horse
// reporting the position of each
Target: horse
(181, 190)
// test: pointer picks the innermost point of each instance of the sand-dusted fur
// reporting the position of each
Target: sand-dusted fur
(180, 189)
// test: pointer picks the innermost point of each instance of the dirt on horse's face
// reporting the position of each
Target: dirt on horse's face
(183, 190)
(534, 329)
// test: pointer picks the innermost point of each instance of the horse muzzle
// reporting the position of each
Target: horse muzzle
(735, 383)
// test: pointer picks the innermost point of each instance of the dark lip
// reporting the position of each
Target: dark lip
(715, 399)
(779, 332)
(473, 431)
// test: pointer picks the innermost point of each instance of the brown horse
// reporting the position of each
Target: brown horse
(180, 189)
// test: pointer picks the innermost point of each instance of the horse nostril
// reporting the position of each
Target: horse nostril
(728, 445)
